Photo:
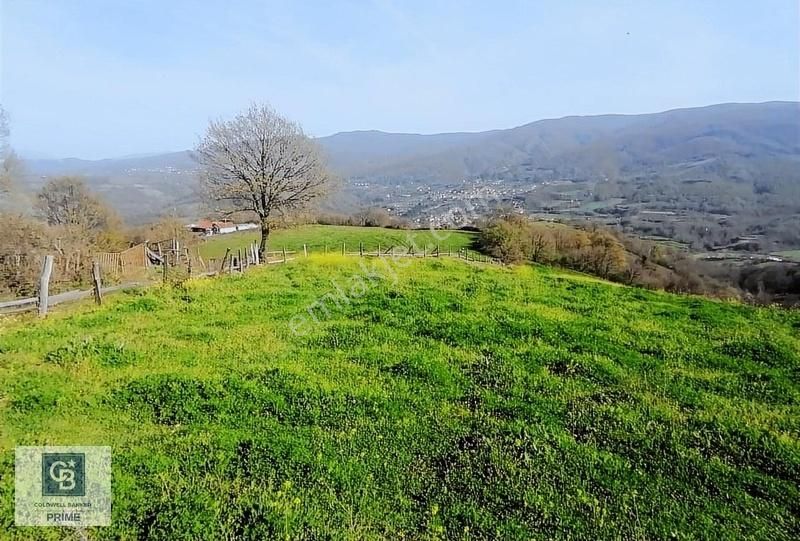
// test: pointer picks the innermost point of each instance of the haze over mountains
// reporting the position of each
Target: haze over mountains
(573, 146)
(732, 148)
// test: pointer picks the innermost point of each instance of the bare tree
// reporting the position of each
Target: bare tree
(540, 241)
(68, 202)
(261, 162)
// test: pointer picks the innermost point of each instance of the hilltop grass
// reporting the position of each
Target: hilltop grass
(794, 255)
(317, 237)
(456, 402)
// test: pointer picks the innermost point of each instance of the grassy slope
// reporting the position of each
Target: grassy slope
(465, 401)
(790, 254)
(316, 237)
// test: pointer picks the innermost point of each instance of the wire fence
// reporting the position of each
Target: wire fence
(36, 281)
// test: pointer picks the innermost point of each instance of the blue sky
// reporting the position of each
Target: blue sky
(109, 78)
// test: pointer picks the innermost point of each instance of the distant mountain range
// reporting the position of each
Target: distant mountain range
(720, 144)
(733, 135)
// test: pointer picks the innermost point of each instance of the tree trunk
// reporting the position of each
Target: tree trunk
(262, 247)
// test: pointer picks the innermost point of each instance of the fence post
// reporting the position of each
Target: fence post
(378, 253)
(44, 284)
(239, 260)
(98, 293)
(361, 249)
(343, 247)
(164, 268)
(305, 251)
(284, 254)
(224, 259)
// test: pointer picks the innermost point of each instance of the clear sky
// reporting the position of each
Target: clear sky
(104, 78)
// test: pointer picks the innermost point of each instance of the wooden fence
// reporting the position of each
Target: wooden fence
(118, 263)
(177, 264)
(405, 251)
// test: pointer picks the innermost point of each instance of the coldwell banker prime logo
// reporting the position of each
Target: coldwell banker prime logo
(62, 486)
(63, 474)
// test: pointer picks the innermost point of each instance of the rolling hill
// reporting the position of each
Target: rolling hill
(140, 188)
(442, 400)
(730, 159)
(745, 134)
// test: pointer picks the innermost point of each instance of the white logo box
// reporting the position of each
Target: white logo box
(62, 486)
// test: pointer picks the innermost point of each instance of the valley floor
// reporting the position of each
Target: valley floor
(418, 399)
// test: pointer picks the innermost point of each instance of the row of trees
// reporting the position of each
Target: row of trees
(514, 238)
(64, 218)
(259, 163)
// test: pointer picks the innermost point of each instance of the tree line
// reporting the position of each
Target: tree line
(514, 238)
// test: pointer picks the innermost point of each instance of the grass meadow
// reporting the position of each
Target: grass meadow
(794, 255)
(318, 237)
(438, 400)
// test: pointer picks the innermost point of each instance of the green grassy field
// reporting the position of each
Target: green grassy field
(443, 400)
(317, 237)
(790, 254)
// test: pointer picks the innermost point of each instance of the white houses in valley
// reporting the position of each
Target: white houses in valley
(221, 227)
